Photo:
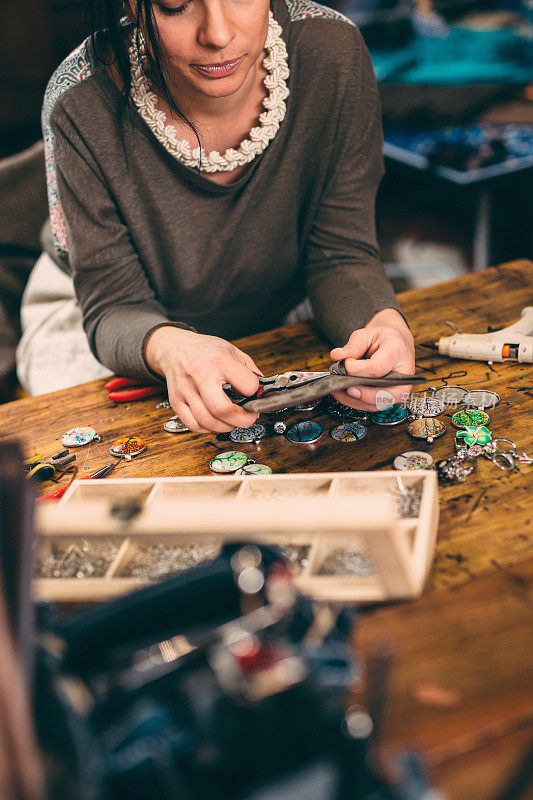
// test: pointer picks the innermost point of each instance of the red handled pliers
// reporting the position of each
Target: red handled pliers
(120, 393)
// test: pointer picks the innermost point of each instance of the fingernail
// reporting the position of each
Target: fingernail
(353, 392)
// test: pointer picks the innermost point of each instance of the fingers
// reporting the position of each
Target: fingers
(379, 363)
(241, 377)
(204, 407)
(357, 345)
(371, 398)
(188, 405)
(386, 350)
(181, 395)
(218, 404)
(203, 414)
(195, 373)
(379, 355)
(186, 416)
(248, 361)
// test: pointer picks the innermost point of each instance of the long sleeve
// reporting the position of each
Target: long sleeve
(118, 304)
(345, 280)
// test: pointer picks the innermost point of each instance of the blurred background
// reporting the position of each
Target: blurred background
(456, 84)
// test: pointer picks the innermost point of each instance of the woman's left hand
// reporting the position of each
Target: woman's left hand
(384, 344)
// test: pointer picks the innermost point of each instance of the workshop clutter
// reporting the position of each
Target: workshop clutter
(476, 39)
(106, 538)
(217, 684)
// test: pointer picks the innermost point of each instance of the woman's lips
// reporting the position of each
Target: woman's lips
(219, 70)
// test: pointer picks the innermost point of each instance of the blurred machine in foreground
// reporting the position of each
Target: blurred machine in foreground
(219, 683)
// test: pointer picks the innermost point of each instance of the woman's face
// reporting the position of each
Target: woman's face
(211, 45)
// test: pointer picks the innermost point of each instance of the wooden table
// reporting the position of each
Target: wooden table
(461, 684)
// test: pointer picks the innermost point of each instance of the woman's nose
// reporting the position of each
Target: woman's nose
(216, 29)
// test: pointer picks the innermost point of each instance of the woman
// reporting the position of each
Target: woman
(174, 251)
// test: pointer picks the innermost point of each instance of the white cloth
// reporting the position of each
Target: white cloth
(53, 352)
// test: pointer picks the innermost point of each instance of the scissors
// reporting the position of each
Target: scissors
(292, 388)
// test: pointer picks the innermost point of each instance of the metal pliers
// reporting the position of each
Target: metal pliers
(292, 388)
(44, 468)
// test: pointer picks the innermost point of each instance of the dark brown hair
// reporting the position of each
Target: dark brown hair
(108, 25)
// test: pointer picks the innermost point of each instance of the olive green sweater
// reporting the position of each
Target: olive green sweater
(148, 241)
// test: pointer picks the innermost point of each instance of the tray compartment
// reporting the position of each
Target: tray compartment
(195, 489)
(106, 491)
(80, 558)
(153, 562)
(278, 488)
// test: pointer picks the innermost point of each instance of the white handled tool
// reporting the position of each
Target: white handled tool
(514, 343)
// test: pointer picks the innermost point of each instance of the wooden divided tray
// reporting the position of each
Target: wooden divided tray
(350, 536)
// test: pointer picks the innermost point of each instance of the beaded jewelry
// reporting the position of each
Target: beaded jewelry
(259, 137)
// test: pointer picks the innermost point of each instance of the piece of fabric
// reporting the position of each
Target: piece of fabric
(148, 241)
(53, 352)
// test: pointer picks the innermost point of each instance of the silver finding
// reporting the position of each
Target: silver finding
(504, 461)
(468, 451)
(492, 448)
(502, 452)
(455, 469)
(503, 458)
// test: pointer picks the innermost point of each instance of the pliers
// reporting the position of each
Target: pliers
(44, 468)
(292, 388)
(142, 390)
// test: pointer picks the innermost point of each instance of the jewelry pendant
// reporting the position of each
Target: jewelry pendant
(127, 447)
(470, 418)
(426, 428)
(472, 435)
(229, 461)
(389, 416)
(76, 437)
(348, 432)
(344, 413)
(455, 469)
(449, 395)
(425, 406)
(252, 434)
(472, 451)
(305, 432)
(413, 460)
(254, 469)
(175, 425)
(481, 398)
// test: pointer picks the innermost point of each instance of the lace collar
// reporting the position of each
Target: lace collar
(258, 139)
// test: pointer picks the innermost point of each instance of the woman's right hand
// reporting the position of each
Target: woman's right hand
(195, 368)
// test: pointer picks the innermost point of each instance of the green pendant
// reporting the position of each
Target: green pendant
(471, 418)
(230, 461)
(472, 435)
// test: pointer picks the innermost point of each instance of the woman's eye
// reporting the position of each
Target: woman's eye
(171, 12)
